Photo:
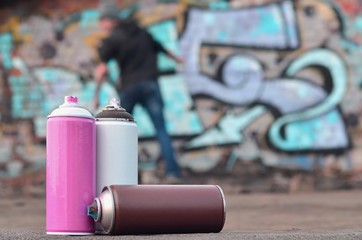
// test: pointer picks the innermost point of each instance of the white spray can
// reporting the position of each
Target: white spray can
(117, 147)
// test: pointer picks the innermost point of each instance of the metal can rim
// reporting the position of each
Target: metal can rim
(116, 119)
(224, 205)
(114, 209)
(75, 116)
(99, 205)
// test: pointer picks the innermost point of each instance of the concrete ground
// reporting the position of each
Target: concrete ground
(344, 235)
(320, 215)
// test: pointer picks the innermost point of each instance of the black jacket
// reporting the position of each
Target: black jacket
(135, 51)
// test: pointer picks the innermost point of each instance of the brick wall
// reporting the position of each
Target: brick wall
(268, 85)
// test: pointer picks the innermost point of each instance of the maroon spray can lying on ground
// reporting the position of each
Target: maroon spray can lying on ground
(151, 209)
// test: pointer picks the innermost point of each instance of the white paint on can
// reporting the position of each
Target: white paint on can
(117, 153)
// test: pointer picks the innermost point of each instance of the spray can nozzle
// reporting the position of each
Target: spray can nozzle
(70, 101)
(114, 102)
(92, 210)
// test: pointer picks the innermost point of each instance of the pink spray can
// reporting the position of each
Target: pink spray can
(71, 169)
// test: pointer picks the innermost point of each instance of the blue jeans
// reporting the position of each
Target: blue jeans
(149, 96)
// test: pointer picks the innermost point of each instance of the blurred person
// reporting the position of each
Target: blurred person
(135, 51)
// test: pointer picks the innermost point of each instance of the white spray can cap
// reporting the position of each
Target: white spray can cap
(71, 108)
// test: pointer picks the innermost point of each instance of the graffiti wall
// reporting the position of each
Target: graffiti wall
(273, 83)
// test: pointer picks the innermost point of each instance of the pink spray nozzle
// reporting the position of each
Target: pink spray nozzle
(71, 99)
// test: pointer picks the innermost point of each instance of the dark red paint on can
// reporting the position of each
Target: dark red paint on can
(151, 209)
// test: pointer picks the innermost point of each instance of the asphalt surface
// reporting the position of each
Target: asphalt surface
(320, 215)
(35, 235)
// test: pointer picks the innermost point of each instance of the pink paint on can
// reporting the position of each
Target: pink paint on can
(71, 169)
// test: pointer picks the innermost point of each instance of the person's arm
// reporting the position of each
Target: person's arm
(160, 48)
(174, 57)
(99, 74)
(106, 52)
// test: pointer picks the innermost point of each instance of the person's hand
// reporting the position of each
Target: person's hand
(174, 57)
(179, 60)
